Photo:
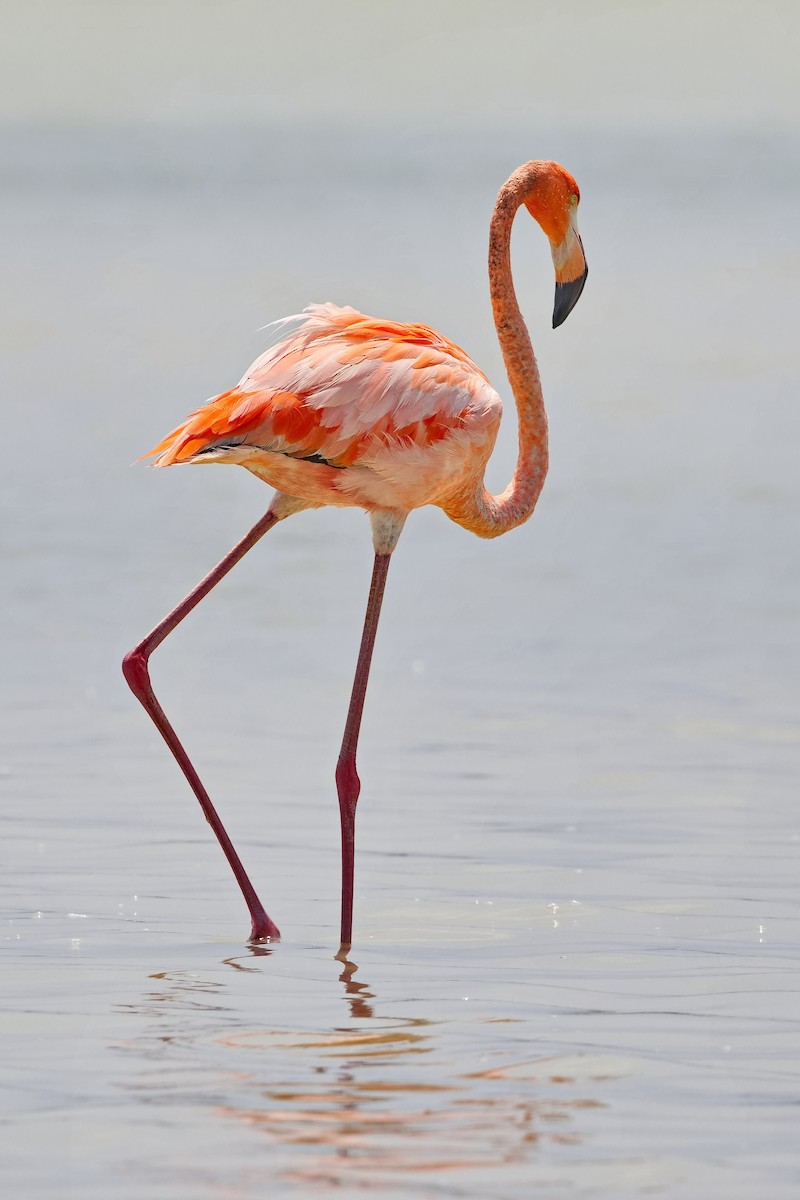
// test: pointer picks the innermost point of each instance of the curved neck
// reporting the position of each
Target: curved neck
(481, 512)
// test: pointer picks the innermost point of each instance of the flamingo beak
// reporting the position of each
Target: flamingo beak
(571, 271)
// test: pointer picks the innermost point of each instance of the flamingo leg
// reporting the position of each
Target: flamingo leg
(136, 671)
(348, 785)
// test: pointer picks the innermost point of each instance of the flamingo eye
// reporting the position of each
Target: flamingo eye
(573, 200)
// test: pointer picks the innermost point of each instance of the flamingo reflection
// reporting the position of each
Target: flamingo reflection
(368, 1103)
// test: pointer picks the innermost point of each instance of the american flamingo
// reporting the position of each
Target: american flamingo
(352, 411)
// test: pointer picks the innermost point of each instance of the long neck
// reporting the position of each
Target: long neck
(478, 510)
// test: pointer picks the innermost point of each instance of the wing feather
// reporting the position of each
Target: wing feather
(338, 387)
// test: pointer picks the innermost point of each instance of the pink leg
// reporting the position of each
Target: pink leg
(348, 784)
(136, 671)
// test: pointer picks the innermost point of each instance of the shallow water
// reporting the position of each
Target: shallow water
(575, 965)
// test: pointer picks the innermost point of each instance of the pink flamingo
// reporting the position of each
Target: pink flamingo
(352, 411)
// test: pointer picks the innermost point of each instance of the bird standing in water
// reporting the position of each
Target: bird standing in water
(352, 411)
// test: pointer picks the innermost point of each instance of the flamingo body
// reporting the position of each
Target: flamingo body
(349, 410)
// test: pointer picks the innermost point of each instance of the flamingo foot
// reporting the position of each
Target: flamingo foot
(263, 929)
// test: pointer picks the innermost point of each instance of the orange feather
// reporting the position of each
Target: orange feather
(340, 386)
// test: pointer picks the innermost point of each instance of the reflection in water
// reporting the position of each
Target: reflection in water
(357, 993)
(256, 951)
(364, 1104)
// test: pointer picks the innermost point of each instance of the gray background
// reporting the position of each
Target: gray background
(575, 960)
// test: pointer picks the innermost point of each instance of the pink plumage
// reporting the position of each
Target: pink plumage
(349, 410)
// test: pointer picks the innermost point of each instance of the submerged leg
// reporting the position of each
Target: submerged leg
(348, 785)
(136, 671)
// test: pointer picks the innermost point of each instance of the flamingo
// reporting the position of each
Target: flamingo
(348, 410)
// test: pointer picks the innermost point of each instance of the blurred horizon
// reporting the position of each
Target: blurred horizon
(453, 64)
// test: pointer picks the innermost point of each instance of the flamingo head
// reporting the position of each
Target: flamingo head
(552, 200)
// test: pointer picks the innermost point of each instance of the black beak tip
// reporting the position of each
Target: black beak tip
(567, 296)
